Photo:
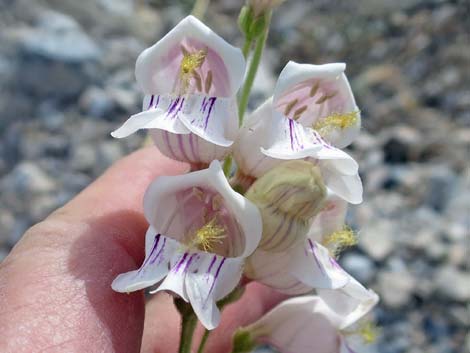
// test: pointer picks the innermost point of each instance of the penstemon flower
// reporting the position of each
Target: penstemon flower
(310, 263)
(200, 233)
(190, 78)
(309, 323)
(311, 115)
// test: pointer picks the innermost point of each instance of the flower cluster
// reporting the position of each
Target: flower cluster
(278, 218)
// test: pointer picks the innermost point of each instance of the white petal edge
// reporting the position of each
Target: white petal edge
(191, 27)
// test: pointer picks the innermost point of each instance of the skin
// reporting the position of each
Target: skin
(55, 285)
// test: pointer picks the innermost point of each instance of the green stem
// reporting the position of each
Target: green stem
(250, 77)
(200, 8)
(246, 47)
(203, 341)
(188, 326)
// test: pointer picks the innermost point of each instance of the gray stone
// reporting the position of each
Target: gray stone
(29, 178)
(59, 37)
(396, 288)
(453, 284)
(377, 239)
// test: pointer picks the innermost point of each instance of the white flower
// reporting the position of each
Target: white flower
(312, 324)
(200, 233)
(311, 115)
(308, 264)
(190, 78)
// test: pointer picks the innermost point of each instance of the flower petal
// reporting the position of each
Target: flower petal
(348, 187)
(159, 250)
(330, 219)
(272, 269)
(162, 114)
(157, 65)
(211, 279)
(164, 191)
(296, 325)
(351, 302)
(311, 93)
(211, 118)
(314, 267)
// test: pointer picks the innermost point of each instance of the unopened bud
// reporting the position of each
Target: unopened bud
(260, 7)
(288, 196)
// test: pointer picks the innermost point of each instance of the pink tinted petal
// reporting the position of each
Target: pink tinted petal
(159, 250)
(157, 68)
(298, 325)
(351, 302)
(314, 267)
(330, 219)
(317, 91)
(273, 270)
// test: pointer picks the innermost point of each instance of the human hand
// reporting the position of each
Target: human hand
(55, 285)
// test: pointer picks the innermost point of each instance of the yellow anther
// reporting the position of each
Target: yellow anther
(339, 240)
(289, 106)
(336, 121)
(209, 234)
(189, 63)
(369, 332)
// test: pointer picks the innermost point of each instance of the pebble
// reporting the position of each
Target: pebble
(396, 288)
(453, 284)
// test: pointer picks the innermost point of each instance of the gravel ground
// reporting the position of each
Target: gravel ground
(66, 76)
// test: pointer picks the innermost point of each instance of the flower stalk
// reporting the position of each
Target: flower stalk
(253, 68)
(188, 325)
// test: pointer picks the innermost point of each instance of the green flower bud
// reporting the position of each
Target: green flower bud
(288, 196)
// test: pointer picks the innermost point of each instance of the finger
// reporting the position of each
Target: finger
(162, 319)
(55, 292)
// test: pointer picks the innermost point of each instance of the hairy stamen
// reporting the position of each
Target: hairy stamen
(340, 240)
(208, 235)
(336, 121)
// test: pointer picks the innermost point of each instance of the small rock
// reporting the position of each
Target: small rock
(377, 239)
(453, 284)
(96, 102)
(28, 178)
(396, 288)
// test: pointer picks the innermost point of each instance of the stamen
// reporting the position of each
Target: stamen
(314, 89)
(208, 83)
(324, 98)
(340, 240)
(299, 112)
(290, 106)
(336, 121)
(198, 193)
(367, 330)
(207, 235)
(189, 63)
(216, 202)
(198, 80)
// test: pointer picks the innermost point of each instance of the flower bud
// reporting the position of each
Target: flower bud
(260, 7)
(288, 196)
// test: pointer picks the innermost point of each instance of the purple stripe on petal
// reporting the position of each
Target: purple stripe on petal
(159, 252)
(212, 102)
(313, 248)
(186, 268)
(212, 264)
(154, 247)
(215, 278)
(193, 149)
(291, 133)
(172, 106)
(180, 262)
(158, 101)
(151, 101)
